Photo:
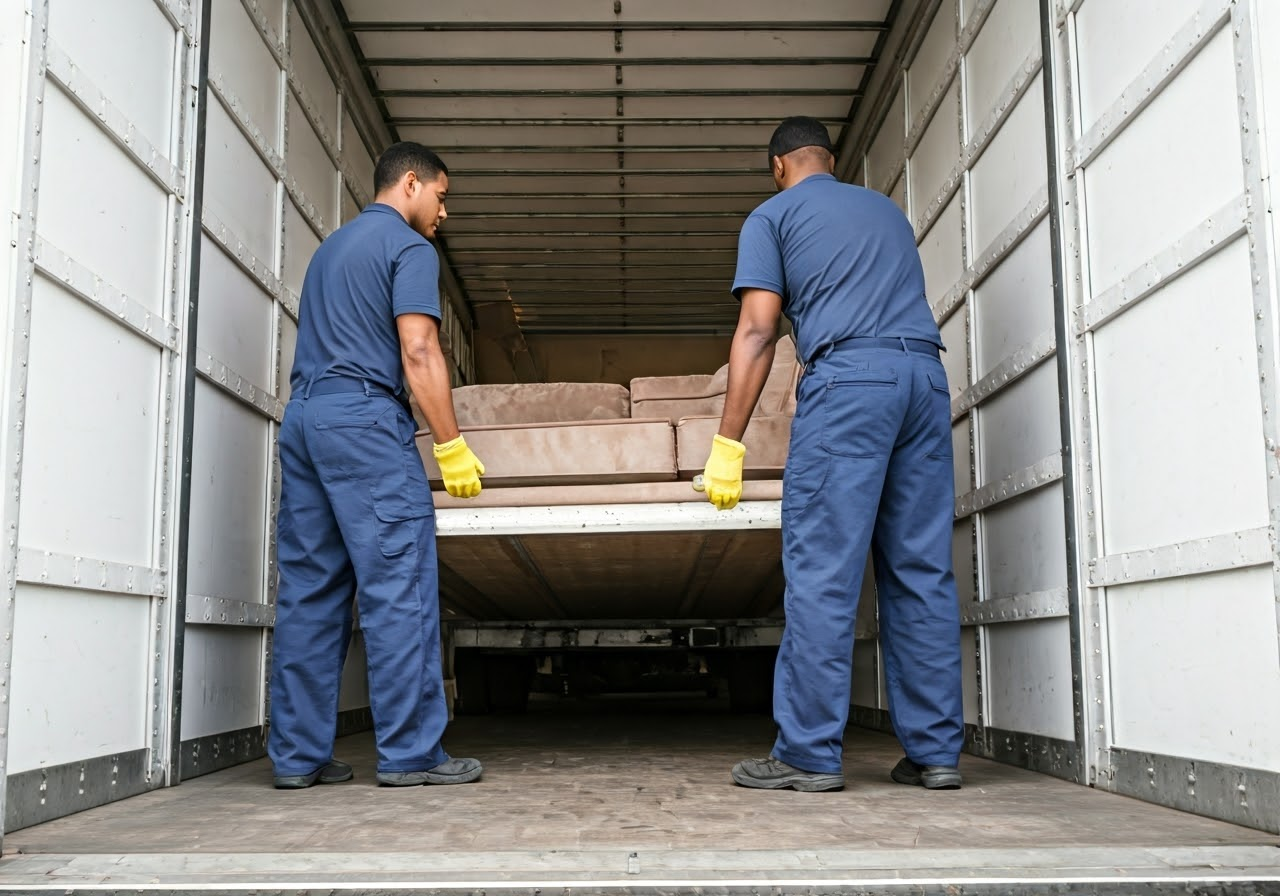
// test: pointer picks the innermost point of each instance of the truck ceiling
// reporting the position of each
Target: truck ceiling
(602, 155)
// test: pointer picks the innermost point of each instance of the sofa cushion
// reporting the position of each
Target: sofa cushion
(766, 438)
(504, 404)
(675, 397)
(586, 453)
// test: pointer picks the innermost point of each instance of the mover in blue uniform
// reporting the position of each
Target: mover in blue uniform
(869, 465)
(356, 516)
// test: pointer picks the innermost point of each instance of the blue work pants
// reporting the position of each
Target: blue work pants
(355, 517)
(869, 467)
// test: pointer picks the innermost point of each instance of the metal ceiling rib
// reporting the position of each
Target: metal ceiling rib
(603, 153)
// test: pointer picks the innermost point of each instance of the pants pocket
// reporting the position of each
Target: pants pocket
(400, 524)
(940, 416)
(858, 418)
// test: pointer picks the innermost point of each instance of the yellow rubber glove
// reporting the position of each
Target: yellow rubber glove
(722, 477)
(460, 467)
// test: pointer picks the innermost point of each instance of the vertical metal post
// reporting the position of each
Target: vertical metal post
(1056, 80)
(18, 323)
(195, 196)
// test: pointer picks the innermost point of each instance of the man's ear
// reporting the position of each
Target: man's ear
(779, 167)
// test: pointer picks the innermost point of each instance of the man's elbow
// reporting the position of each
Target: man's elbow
(419, 353)
(760, 336)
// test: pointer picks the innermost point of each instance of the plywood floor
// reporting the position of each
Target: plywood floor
(621, 774)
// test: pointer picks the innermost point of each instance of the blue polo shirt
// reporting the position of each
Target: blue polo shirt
(844, 260)
(366, 274)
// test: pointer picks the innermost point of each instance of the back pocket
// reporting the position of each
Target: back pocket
(860, 417)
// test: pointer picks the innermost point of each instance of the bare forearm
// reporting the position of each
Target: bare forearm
(428, 375)
(750, 358)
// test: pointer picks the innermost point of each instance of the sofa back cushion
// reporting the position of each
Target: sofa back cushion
(506, 404)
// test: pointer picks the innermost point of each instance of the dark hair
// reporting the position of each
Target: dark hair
(796, 132)
(401, 158)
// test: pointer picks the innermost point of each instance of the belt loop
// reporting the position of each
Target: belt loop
(367, 391)
(904, 344)
(306, 390)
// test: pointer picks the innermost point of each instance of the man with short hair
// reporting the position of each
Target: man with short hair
(869, 466)
(356, 515)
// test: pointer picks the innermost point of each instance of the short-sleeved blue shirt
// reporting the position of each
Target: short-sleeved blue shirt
(365, 275)
(844, 260)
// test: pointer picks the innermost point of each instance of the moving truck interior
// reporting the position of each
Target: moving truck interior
(1090, 186)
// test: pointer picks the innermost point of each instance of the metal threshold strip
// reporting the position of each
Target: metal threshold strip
(1224, 871)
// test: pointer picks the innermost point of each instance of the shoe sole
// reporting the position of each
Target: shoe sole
(943, 781)
(802, 783)
(429, 778)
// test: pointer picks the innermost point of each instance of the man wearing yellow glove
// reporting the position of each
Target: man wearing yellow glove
(869, 466)
(355, 510)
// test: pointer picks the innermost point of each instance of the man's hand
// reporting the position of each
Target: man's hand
(460, 467)
(722, 477)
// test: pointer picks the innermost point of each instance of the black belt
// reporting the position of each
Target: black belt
(919, 346)
(340, 385)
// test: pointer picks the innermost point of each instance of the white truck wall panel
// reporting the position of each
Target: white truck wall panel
(1010, 34)
(1014, 304)
(898, 193)
(1011, 171)
(955, 360)
(350, 205)
(1152, 185)
(360, 162)
(931, 61)
(940, 253)
(1179, 418)
(310, 166)
(228, 498)
(272, 11)
(962, 560)
(222, 679)
(240, 60)
(300, 243)
(962, 466)
(92, 433)
(1193, 662)
(72, 698)
(235, 316)
(1019, 426)
(139, 82)
(1266, 23)
(1116, 41)
(969, 675)
(13, 69)
(936, 156)
(250, 208)
(1022, 545)
(354, 689)
(288, 344)
(1028, 680)
(886, 151)
(313, 74)
(112, 218)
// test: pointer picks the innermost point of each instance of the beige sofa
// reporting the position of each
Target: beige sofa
(594, 443)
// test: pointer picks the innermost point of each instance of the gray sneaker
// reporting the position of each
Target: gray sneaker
(930, 777)
(335, 772)
(774, 774)
(454, 771)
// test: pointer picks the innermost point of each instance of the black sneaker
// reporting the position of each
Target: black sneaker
(930, 777)
(774, 774)
(453, 771)
(334, 773)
